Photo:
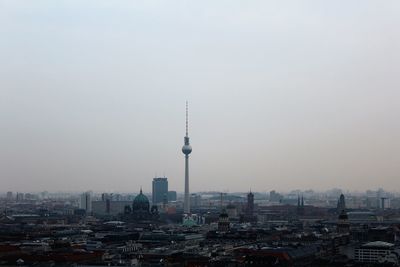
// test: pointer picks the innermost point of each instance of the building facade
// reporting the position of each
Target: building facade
(376, 252)
(160, 190)
(172, 195)
(86, 202)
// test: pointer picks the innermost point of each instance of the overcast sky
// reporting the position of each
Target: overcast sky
(283, 94)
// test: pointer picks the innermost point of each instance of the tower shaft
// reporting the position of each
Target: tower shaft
(186, 204)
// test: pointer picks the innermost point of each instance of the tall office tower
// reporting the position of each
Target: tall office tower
(186, 149)
(86, 202)
(250, 204)
(341, 204)
(300, 205)
(107, 199)
(160, 190)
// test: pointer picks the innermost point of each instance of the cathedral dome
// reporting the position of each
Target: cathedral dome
(141, 203)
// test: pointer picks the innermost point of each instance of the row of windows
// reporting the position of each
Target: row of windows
(371, 253)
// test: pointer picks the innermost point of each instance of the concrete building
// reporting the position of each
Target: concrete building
(160, 190)
(109, 207)
(172, 195)
(341, 205)
(250, 204)
(232, 211)
(195, 200)
(20, 197)
(9, 196)
(86, 202)
(376, 252)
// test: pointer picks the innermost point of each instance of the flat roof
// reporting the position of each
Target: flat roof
(378, 244)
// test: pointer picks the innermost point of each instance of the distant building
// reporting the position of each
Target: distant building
(376, 252)
(109, 207)
(274, 196)
(341, 204)
(232, 211)
(141, 210)
(300, 206)
(172, 196)
(362, 217)
(192, 220)
(250, 204)
(160, 190)
(105, 196)
(86, 202)
(223, 222)
(9, 196)
(343, 225)
(195, 200)
(20, 197)
(249, 216)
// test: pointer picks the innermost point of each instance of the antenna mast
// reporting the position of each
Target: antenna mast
(187, 119)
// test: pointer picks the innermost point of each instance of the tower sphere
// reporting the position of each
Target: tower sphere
(187, 149)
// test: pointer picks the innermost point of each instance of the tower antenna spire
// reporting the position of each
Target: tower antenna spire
(187, 119)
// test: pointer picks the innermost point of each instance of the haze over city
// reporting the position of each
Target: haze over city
(282, 95)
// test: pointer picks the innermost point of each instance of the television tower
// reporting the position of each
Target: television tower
(186, 149)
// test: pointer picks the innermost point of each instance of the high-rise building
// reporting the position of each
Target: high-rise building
(171, 195)
(248, 215)
(250, 204)
(86, 202)
(300, 205)
(343, 225)
(186, 149)
(9, 195)
(341, 205)
(160, 190)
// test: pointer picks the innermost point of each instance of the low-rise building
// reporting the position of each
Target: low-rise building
(377, 251)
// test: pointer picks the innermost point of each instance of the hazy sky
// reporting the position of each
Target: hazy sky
(282, 94)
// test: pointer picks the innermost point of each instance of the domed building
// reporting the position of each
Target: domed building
(141, 209)
(141, 204)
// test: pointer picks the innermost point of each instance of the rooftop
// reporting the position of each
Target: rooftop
(378, 244)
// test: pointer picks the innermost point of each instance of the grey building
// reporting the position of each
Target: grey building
(171, 195)
(86, 202)
(109, 207)
(160, 190)
(9, 195)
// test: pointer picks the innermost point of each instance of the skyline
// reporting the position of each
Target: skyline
(282, 95)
